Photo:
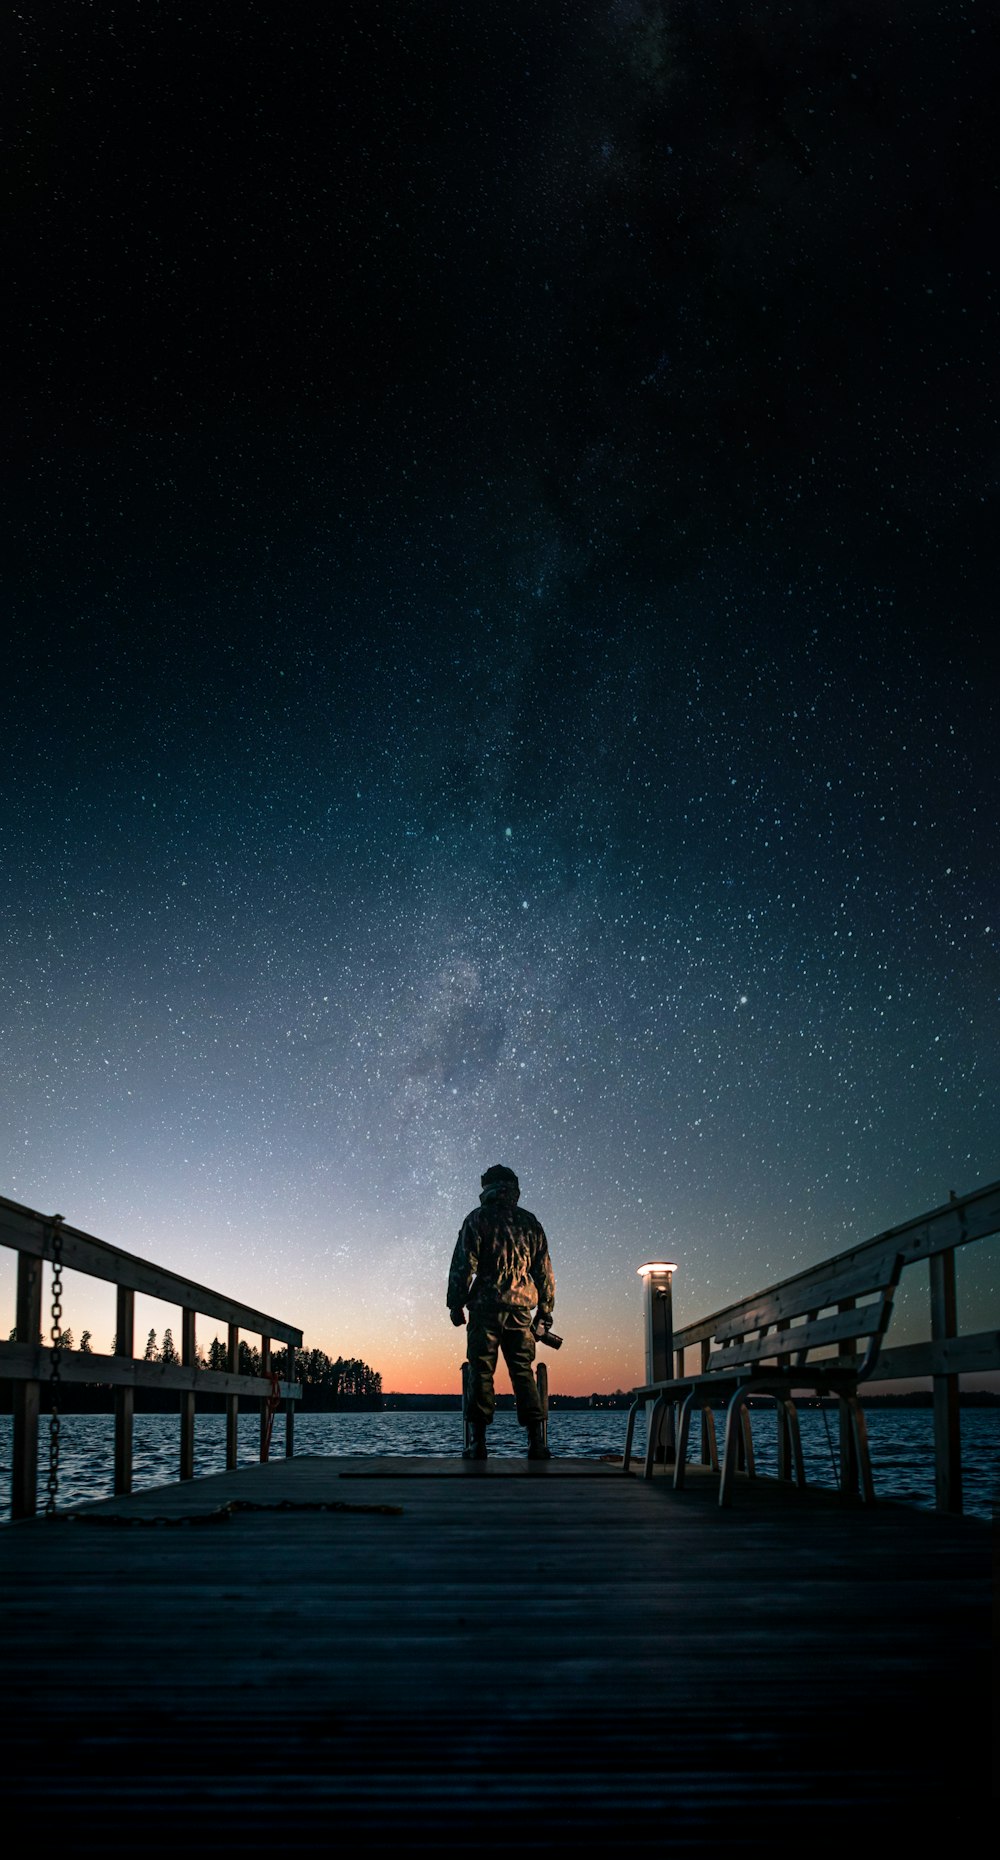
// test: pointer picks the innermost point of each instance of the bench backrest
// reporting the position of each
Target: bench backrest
(788, 1326)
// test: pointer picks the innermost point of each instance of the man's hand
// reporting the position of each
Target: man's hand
(542, 1324)
(457, 1315)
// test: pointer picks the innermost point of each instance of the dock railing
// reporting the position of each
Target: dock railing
(28, 1364)
(943, 1356)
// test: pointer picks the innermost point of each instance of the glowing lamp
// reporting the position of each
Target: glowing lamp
(657, 1277)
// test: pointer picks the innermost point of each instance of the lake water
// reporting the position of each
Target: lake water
(901, 1444)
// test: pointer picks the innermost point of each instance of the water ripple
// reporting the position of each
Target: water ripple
(902, 1445)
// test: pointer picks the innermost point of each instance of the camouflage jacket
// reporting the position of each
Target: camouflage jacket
(501, 1257)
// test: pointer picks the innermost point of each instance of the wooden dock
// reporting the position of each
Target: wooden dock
(479, 1656)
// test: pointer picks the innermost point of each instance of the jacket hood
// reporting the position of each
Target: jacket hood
(499, 1191)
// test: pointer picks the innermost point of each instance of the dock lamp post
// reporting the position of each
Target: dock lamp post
(658, 1279)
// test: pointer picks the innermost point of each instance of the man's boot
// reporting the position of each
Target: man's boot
(477, 1448)
(537, 1450)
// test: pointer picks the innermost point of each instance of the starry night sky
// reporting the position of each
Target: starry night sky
(501, 562)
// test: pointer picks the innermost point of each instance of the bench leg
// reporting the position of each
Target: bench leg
(784, 1438)
(653, 1437)
(746, 1443)
(629, 1435)
(848, 1447)
(669, 1431)
(683, 1430)
(731, 1450)
(795, 1440)
(864, 1457)
(709, 1446)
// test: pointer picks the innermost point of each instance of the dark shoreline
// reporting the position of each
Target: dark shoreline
(916, 1398)
(100, 1400)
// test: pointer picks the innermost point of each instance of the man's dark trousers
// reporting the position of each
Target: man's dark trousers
(490, 1331)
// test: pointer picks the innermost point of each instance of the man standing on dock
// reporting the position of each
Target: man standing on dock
(501, 1269)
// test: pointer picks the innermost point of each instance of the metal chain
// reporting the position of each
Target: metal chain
(55, 1374)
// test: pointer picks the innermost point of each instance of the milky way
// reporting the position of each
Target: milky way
(503, 641)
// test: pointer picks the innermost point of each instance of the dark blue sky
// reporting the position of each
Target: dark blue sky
(503, 645)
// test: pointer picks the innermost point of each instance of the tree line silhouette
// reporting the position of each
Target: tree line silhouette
(327, 1382)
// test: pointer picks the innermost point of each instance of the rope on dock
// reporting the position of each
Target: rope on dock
(223, 1513)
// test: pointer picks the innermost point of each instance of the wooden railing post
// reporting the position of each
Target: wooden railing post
(848, 1444)
(24, 1499)
(947, 1417)
(124, 1397)
(542, 1380)
(784, 1426)
(709, 1448)
(290, 1405)
(187, 1395)
(265, 1370)
(233, 1401)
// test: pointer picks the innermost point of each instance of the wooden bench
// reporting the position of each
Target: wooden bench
(818, 1334)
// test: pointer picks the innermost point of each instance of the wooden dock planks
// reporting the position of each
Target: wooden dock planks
(528, 1654)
